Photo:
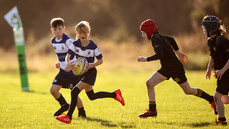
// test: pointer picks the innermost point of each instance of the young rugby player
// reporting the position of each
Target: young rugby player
(61, 42)
(164, 47)
(83, 47)
(218, 46)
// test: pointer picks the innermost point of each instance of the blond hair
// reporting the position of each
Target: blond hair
(83, 26)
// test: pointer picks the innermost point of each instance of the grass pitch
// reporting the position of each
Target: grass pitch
(35, 109)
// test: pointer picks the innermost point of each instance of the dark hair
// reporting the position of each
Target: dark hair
(56, 22)
(213, 25)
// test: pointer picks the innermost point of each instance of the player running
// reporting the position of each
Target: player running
(83, 47)
(61, 42)
(164, 47)
(218, 46)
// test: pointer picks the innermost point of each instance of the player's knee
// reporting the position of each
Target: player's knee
(91, 98)
(75, 91)
(188, 92)
(52, 91)
(225, 99)
(91, 95)
(149, 84)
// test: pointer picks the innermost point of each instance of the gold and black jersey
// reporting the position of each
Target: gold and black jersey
(219, 51)
(164, 47)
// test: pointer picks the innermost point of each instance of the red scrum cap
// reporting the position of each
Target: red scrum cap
(148, 26)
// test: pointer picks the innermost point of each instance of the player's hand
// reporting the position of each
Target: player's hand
(69, 66)
(142, 59)
(183, 58)
(57, 65)
(208, 74)
(219, 74)
(89, 66)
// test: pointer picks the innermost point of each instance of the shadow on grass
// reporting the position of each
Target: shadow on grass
(204, 124)
(36, 92)
(195, 125)
(103, 122)
(110, 123)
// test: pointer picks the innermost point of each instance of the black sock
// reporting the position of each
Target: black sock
(152, 106)
(204, 95)
(92, 96)
(81, 110)
(74, 94)
(222, 118)
(61, 100)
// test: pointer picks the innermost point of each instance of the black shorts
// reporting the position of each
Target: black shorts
(66, 79)
(89, 77)
(223, 84)
(178, 76)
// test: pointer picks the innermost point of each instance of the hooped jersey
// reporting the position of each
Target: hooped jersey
(61, 48)
(89, 52)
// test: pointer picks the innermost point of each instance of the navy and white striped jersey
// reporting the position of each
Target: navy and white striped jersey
(89, 52)
(61, 48)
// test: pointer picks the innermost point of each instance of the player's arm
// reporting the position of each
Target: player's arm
(210, 64)
(219, 73)
(173, 43)
(69, 64)
(182, 57)
(99, 58)
(224, 43)
(57, 64)
(158, 52)
(70, 53)
(97, 63)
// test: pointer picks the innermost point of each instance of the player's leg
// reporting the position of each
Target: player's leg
(188, 90)
(54, 90)
(225, 99)
(195, 91)
(81, 111)
(74, 95)
(225, 84)
(222, 94)
(155, 79)
(220, 108)
(73, 81)
(117, 95)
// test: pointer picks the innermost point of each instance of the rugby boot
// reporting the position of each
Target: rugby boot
(62, 109)
(119, 97)
(64, 118)
(148, 113)
(220, 122)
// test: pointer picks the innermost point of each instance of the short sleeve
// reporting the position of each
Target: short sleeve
(69, 42)
(224, 43)
(173, 43)
(72, 49)
(98, 54)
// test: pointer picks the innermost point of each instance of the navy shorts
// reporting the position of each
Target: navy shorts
(178, 76)
(89, 77)
(223, 84)
(66, 79)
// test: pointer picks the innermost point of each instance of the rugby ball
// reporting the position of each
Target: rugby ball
(80, 66)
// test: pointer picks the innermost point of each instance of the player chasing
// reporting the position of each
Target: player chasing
(83, 47)
(61, 42)
(164, 47)
(218, 46)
